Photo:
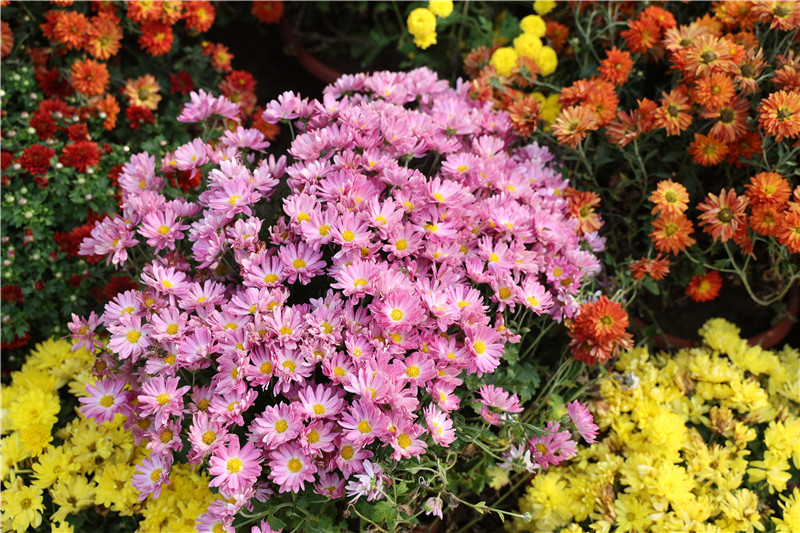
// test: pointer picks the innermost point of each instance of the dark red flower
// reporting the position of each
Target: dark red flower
(78, 132)
(138, 115)
(52, 83)
(6, 158)
(36, 159)
(11, 293)
(117, 285)
(75, 280)
(41, 182)
(181, 82)
(39, 285)
(113, 175)
(18, 342)
(44, 124)
(80, 155)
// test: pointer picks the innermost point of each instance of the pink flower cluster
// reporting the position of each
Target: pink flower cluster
(321, 346)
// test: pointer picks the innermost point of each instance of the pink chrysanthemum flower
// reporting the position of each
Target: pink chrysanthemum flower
(234, 468)
(369, 483)
(330, 485)
(553, 448)
(151, 475)
(82, 330)
(398, 311)
(486, 347)
(106, 399)
(321, 401)
(583, 421)
(162, 398)
(495, 401)
(277, 425)
(301, 262)
(362, 422)
(290, 468)
(129, 337)
(162, 229)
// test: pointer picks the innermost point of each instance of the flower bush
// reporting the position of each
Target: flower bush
(328, 351)
(64, 471)
(704, 439)
(676, 120)
(77, 98)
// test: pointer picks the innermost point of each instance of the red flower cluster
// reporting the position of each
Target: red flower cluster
(80, 155)
(36, 159)
(600, 331)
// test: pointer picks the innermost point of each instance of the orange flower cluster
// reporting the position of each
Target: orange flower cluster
(656, 269)
(720, 62)
(672, 229)
(706, 287)
(581, 207)
(600, 331)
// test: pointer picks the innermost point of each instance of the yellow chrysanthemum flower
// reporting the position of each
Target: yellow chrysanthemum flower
(791, 513)
(34, 407)
(527, 45)
(774, 469)
(547, 59)
(72, 495)
(504, 60)
(426, 40)
(441, 8)
(114, 488)
(533, 25)
(23, 506)
(543, 7)
(421, 21)
(54, 463)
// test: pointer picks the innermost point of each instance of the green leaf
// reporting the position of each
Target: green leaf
(650, 285)
(511, 354)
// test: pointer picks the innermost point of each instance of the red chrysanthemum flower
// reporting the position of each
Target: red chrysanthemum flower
(723, 215)
(156, 38)
(268, 12)
(44, 124)
(704, 288)
(707, 150)
(17, 342)
(748, 70)
(139, 115)
(779, 115)
(52, 83)
(78, 132)
(181, 83)
(89, 77)
(708, 54)
(599, 332)
(6, 158)
(657, 269)
(117, 285)
(199, 16)
(70, 29)
(557, 35)
(744, 148)
(36, 159)
(616, 67)
(11, 293)
(6, 39)
(80, 155)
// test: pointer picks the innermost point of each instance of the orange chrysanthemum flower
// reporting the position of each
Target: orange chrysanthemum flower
(707, 150)
(577, 92)
(616, 67)
(604, 102)
(706, 287)
(624, 129)
(779, 115)
(678, 40)
(524, 115)
(731, 122)
(657, 269)
(171, 11)
(599, 332)
(220, 57)
(89, 77)
(788, 232)
(156, 38)
(70, 29)
(708, 54)
(646, 113)
(660, 16)
(108, 106)
(103, 37)
(764, 219)
(734, 13)
(672, 233)
(673, 114)
(641, 35)
(781, 14)
(723, 215)
(581, 207)
(744, 148)
(199, 16)
(143, 92)
(141, 11)
(268, 12)
(768, 188)
(748, 70)
(6, 39)
(671, 198)
(573, 125)
(713, 92)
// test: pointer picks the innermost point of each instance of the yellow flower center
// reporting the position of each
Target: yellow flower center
(271, 278)
(348, 235)
(401, 245)
(298, 263)
(235, 465)
(479, 347)
(209, 437)
(265, 368)
(155, 475)
(364, 427)
(347, 453)
(313, 436)
(133, 336)
(107, 401)
(281, 426)
(172, 329)
(404, 441)
(397, 315)
(319, 409)
(289, 365)
(412, 371)
(163, 230)
(295, 465)
(163, 398)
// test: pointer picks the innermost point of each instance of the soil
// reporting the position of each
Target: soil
(683, 317)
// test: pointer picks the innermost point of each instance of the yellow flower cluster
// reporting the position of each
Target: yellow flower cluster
(704, 440)
(421, 21)
(80, 465)
(527, 44)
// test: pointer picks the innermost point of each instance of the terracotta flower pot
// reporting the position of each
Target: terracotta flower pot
(766, 339)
